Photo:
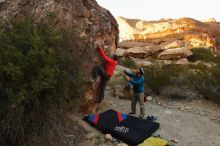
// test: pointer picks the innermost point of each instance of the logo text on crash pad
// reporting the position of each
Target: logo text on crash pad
(122, 129)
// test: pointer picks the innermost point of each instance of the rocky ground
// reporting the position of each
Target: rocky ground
(189, 122)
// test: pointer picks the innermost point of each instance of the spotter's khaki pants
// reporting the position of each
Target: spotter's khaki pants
(138, 97)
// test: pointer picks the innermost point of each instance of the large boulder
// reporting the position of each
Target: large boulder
(120, 52)
(137, 52)
(89, 23)
(183, 32)
(175, 53)
(143, 52)
(154, 50)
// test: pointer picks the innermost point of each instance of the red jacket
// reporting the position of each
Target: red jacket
(110, 63)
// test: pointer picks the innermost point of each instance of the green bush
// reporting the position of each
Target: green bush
(206, 78)
(201, 80)
(129, 63)
(177, 81)
(177, 92)
(202, 54)
(206, 81)
(157, 76)
(38, 73)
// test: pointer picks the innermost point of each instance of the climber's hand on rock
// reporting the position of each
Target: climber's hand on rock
(99, 44)
(96, 60)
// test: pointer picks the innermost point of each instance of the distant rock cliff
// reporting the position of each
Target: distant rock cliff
(90, 23)
(168, 34)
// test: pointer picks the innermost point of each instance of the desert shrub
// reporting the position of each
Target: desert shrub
(158, 76)
(129, 63)
(178, 92)
(213, 88)
(206, 81)
(202, 54)
(58, 130)
(201, 80)
(177, 81)
(152, 59)
(154, 78)
(38, 73)
(217, 61)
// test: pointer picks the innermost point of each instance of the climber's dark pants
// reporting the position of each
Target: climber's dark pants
(98, 70)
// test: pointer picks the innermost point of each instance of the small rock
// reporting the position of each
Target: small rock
(187, 107)
(156, 134)
(109, 137)
(168, 112)
(214, 118)
(182, 108)
(174, 140)
(122, 144)
(164, 105)
(197, 112)
(170, 107)
(149, 98)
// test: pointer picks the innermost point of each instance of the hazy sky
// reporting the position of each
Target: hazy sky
(157, 9)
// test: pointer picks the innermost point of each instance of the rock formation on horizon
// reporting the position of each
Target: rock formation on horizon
(171, 33)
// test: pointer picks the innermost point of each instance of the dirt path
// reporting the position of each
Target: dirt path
(192, 123)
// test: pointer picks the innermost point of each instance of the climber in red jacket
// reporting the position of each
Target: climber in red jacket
(105, 72)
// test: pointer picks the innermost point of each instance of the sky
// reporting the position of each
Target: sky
(157, 9)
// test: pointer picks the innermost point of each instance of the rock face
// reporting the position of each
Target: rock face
(183, 32)
(216, 26)
(89, 23)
